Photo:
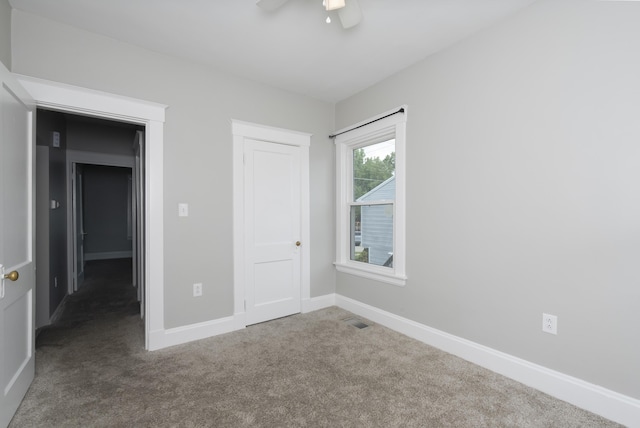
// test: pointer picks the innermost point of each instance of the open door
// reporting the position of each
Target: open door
(137, 195)
(17, 276)
(78, 225)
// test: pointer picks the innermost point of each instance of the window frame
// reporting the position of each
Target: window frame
(374, 130)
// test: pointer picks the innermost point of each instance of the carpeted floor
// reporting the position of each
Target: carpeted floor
(311, 370)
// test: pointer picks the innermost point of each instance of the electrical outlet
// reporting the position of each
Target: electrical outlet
(550, 324)
(197, 289)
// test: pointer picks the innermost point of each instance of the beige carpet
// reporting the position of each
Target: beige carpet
(311, 370)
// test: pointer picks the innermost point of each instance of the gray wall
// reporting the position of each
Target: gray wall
(105, 209)
(523, 178)
(100, 136)
(5, 33)
(523, 184)
(51, 246)
(198, 151)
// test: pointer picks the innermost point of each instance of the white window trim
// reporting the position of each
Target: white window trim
(359, 135)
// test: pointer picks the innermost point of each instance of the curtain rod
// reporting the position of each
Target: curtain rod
(370, 122)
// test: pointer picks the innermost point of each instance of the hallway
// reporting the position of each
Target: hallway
(106, 301)
(77, 358)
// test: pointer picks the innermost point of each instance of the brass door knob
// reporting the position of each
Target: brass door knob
(12, 276)
(297, 243)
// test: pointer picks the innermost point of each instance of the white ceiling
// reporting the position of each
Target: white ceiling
(291, 48)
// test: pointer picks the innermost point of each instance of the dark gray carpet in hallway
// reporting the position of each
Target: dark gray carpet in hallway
(311, 370)
(106, 295)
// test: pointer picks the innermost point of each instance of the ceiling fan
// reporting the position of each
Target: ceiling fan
(348, 10)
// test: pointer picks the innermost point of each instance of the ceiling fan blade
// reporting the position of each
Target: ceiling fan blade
(350, 15)
(270, 5)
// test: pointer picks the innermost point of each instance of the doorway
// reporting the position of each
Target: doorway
(151, 116)
(103, 217)
(88, 200)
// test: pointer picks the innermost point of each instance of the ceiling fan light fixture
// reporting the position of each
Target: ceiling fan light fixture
(334, 4)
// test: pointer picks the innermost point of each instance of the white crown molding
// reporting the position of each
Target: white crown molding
(60, 96)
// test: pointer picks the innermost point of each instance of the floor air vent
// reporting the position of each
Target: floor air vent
(356, 322)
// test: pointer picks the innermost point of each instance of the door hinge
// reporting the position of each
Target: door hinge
(245, 306)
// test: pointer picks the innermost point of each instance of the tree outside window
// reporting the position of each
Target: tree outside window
(372, 204)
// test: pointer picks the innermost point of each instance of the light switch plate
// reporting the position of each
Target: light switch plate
(183, 210)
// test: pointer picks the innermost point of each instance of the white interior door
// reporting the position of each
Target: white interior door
(272, 232)
(138, 220)
(17, 315)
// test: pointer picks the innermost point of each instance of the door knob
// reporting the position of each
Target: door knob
(297, 243)
(12, 276)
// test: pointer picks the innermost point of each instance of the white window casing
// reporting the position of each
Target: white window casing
(374, 130)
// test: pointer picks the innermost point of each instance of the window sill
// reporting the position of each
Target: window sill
(372, 273)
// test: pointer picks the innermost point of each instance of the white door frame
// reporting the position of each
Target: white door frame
(86, 158)
(73, 99)
(245, 130)
(138, 218)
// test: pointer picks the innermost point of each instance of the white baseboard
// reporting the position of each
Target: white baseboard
(596, 399)
(604, 402)
(59, 310)
(316, 303)
(108, 255)
(176, 336)
(80, 280)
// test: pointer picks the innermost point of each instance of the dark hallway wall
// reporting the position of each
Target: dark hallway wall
(78, 135)
(51, 232)
(106, 193)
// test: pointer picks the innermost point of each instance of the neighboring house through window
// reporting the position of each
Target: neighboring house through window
(376, 224)
(371, 198)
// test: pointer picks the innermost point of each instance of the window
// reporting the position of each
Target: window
(371, 191)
